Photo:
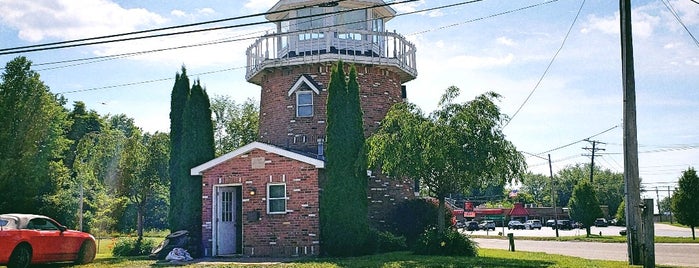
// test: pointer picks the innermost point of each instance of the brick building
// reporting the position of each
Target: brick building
(262, 199)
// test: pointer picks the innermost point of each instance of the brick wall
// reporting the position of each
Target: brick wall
(379, 90)
(295, 233)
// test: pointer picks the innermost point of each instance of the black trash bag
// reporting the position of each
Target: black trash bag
(179, 239)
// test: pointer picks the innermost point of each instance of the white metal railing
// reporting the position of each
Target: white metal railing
(326, 45)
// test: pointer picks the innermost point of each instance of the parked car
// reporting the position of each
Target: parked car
(471, 226)
(31, 239)
(601, 222)
(550, 223)
(532, 224)
(515, 225)
(487, 225)
(564, 225)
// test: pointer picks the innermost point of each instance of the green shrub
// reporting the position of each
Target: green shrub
(133, 247)
(383, 241)
(449, 243)
(411, 218)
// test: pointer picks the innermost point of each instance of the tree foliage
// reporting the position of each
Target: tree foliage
(459, 147)
(144, 171)
(343, 200)
(32, 138)
(178, 172)
(235, 124)
(539, 187)
(584, 206)
(197, 147)
(65, 164)
(686, 200)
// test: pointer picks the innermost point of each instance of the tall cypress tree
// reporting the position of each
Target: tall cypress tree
(178, 172)
(198, 148)
(344, 226)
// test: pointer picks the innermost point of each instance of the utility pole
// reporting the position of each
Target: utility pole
(631, 179)
(669, 197)
(553, 197)
(657, 196)
(593, 150)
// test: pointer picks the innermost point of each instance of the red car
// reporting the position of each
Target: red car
(30, 239)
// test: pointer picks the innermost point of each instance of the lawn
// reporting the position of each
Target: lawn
(486, 258)
(594, 238)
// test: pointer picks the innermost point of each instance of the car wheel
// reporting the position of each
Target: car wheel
(87, 252)
(21, 257)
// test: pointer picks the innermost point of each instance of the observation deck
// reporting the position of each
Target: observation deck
(352, 31)
(365, 47)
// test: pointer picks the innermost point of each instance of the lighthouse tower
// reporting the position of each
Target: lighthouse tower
(263, 199)
(293, 67)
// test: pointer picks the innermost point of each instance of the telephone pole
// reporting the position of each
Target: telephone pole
(592, 150)
(631, 179)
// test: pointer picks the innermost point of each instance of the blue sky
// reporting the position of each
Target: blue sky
(491, 45)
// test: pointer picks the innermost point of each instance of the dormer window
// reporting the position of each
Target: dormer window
(304, 103)
(304, 88)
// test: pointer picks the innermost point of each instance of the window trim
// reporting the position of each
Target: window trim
(298, 106)
(269, 199)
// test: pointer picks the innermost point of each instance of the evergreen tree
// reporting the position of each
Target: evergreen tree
(584, 206)
(197, 148)
(178, 172)
(344, 225)
(686, 200)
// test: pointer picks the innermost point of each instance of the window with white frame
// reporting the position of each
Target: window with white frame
(304, 103)
(276, 198)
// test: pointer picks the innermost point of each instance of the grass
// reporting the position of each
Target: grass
(594, 238)
(486, 258)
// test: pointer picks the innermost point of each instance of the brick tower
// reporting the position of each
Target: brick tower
(293, 65)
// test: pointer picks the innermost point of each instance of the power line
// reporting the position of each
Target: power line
(226, 40)
(677, 17)
(575, 142)
(548, 66)
(66, 44)
(105, 58)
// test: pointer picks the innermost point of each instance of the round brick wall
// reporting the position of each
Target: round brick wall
(379, 88)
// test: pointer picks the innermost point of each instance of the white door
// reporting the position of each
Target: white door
(227, 218)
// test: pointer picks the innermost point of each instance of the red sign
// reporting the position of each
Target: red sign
(469, 214)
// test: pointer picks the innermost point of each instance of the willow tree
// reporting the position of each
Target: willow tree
(458, 147)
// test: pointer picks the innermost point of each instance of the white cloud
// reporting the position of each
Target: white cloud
(506, 41)
(407, 7)
(206, 11)
(260, 5)
(482, 62)
(178, 13)
(67, 19)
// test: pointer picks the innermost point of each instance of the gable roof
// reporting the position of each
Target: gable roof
(199, 170)
(305, 79)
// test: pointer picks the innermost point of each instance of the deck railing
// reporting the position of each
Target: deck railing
(368, 47)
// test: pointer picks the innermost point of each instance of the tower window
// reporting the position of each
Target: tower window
(304, 103)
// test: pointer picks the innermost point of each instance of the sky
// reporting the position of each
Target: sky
(556, 64)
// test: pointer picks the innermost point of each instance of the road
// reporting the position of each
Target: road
(668, 254)
(660, 230)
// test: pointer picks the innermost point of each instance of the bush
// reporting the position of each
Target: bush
(411, 218)
(450, 243)
(381, 242)
(132, 247)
